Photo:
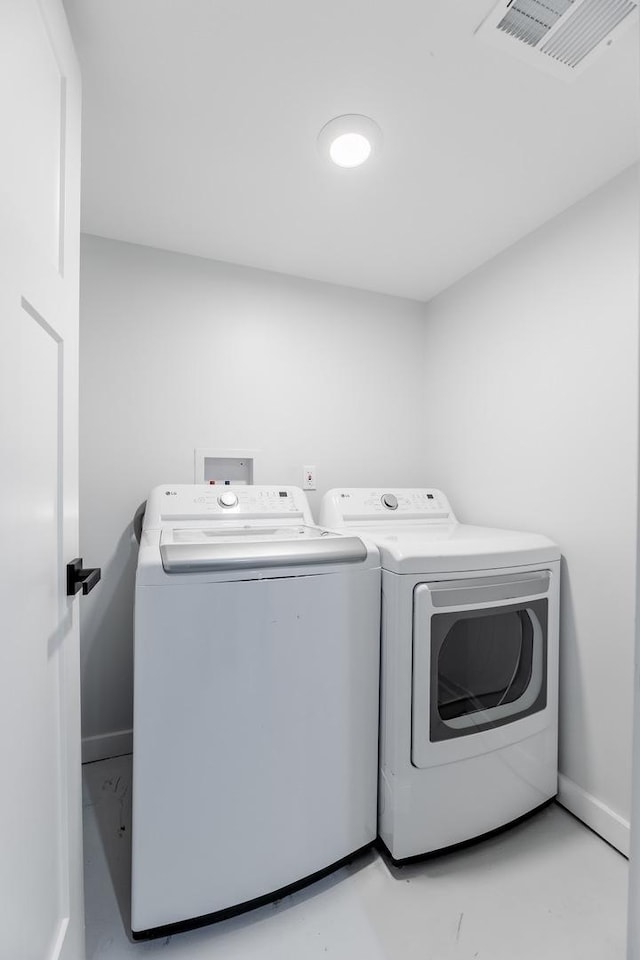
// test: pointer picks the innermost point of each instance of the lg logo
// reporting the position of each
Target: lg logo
(171, 493)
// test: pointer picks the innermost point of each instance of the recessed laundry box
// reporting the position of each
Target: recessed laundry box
(255, 701)
(469, 683)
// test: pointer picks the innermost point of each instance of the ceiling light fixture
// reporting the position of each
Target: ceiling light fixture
(349, 140)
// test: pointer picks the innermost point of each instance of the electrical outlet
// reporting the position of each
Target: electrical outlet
(308, 478)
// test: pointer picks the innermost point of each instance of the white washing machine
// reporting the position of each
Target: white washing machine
(255, 702)
(469, 675)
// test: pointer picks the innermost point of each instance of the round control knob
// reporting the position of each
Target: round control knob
(228, 499)
(390, 501)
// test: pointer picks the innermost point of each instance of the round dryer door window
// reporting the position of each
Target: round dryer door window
(479, 655)
(489, 668)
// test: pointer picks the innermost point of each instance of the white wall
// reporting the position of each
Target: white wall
(177, 353)
(531, 422)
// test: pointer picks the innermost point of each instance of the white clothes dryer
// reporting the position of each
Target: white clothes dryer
(469, 668)
(255, 702)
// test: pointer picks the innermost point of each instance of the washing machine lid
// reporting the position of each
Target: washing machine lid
(197, 550)
(453, 547)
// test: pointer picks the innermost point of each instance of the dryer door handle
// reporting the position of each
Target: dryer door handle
(482, 590)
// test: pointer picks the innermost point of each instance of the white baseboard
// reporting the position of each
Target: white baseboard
(107, 745)
(602, 819)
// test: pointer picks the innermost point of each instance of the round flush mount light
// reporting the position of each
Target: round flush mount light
(350, 140)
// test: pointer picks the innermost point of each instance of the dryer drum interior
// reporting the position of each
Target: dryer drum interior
(484, 663)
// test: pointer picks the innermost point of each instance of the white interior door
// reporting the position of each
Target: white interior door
(40, 803)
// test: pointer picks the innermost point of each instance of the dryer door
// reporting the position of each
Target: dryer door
(479, 658)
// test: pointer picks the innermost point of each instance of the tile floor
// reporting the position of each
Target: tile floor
(548, 889)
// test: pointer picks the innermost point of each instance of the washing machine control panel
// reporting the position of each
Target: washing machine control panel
(238, 502)
(364, 504)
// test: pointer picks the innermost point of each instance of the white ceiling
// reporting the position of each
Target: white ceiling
(201, 119)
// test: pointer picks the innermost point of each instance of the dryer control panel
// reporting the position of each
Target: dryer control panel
(362, 505)
(199, 503)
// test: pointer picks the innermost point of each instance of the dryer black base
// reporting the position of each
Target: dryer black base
(168, 929)
(441, 851)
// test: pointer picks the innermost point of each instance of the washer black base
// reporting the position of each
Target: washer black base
(168, 929)
(420, 857)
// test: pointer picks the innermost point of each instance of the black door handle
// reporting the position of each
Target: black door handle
(79, 576)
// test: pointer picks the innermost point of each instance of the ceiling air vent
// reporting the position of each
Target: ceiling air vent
(562, 36)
